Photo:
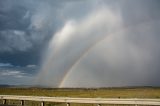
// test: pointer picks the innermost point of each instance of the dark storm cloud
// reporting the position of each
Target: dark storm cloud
(17, 32)
(22, 58)
(25, 28)
(29, 22)
(14, 18)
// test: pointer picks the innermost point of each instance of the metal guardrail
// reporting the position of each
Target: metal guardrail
(68, 100)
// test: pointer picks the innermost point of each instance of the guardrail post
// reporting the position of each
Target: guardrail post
(68, 104)
(22, 103)
(98, 105)
(42, 103)
(4, 101)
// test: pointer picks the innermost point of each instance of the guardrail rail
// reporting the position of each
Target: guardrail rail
(68, 100)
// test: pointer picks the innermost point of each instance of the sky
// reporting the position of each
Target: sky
(80, 43)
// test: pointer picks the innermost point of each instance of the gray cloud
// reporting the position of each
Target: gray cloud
(10, 74)
(115, 46)
(108, 43)
(13, 73)
(5, 65)
(117, 61)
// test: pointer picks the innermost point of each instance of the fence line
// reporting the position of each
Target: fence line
(68, 100)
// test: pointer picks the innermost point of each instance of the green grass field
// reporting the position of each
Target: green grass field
(141, 92)
(100, 93)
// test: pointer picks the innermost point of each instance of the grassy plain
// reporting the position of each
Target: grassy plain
(141, 92)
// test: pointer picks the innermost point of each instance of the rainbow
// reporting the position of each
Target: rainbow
(128, 27)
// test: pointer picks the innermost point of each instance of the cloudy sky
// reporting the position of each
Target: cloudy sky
(80, 43)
